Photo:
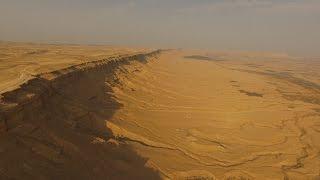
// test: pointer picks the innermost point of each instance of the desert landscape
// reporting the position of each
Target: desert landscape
(107, 112)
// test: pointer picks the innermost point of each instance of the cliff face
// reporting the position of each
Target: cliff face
(21, 61)
(53, 126)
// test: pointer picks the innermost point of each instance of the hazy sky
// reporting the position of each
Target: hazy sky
(291, 26)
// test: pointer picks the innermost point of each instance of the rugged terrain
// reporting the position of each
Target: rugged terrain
(177, 114)
(53, 125)
(19, 62)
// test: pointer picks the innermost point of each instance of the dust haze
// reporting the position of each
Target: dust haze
(287, 26)
(156, 89)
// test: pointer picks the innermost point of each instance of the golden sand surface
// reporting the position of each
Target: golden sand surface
(173, 114)
(199, 116)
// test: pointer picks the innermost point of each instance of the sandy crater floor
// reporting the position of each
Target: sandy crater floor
(200, 118)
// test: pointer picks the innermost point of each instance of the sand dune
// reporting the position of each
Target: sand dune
(165, 115)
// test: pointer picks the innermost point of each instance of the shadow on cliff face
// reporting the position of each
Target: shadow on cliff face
(64, 134)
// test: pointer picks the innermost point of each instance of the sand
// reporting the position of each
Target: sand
(173, 114)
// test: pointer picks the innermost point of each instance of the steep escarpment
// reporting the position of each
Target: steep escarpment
(54, 126)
